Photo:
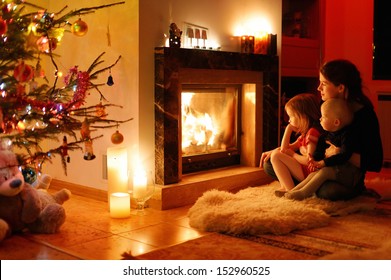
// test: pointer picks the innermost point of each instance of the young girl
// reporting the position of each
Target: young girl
(303, 111)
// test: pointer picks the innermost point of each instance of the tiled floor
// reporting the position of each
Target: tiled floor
(90, 233)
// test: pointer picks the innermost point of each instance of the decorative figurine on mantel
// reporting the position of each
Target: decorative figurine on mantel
(175, 36)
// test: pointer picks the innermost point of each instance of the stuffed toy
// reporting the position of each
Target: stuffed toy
(23, 207)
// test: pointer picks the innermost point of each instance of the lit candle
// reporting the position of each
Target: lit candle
(243, 43)
(119, 205)
(117, 170)
(139, 183)
(261, 41)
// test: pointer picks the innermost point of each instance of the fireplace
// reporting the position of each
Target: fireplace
(210, 122)
(242, 89)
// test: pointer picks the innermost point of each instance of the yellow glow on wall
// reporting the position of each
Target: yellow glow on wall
(253, 26)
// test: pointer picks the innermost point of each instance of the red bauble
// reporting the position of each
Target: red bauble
(117, 138)
(44, 44)
(79, 28)
(3, 26)
(23, 72)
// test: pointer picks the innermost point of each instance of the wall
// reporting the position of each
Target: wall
(348, 34)
(121, 22)
(136, 28)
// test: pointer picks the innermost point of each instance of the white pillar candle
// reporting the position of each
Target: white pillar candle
(119, 205)
(139, 183)
(117, 170)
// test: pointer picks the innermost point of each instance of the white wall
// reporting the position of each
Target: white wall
(122, 23)
(136, 28)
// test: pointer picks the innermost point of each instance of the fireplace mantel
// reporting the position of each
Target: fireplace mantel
(174, 66)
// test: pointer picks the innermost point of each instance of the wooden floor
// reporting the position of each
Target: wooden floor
(90, 233)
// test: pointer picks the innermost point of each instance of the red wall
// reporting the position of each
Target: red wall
(348, 34)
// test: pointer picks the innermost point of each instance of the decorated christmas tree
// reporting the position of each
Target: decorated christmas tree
(32, 109)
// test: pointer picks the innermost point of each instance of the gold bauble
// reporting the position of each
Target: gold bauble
(117, 138)
(79, 28)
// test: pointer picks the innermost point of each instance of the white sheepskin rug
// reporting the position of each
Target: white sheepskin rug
(256, 210)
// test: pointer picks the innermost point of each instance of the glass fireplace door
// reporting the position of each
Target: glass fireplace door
(209, 126)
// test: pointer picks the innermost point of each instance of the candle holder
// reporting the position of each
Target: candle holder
(143, 189)
(140, 201)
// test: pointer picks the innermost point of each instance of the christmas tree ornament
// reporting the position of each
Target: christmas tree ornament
(29, 174)
(88, 151)
(46, 21)
(8, 126)
(108, 36)
(85, 130)
(21, 125)
(117, 138)
(23, 72)
(100, 111)
(64, 149)
(79, 28)
(31, 41)
(57, 33)
(110, 80)
(3, 26)
(46, 45)
(38, 71)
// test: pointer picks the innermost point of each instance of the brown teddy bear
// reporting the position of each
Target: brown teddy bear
(23, 207)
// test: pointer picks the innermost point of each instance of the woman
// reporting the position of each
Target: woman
(341, 79)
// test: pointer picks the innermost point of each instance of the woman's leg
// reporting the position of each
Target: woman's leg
(268, 168)
(286, 167)
(332, 190)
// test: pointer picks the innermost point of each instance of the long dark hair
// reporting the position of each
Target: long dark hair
(344, 72)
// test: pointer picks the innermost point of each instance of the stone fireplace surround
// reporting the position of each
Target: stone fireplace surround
(258, 75)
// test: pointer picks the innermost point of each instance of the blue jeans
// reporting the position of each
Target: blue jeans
(329, 190)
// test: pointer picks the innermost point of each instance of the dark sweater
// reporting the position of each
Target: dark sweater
(362, 137)
(343, 139)
(367, 135)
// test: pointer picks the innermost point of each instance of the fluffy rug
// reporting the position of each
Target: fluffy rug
(256, 210)
(382, 186)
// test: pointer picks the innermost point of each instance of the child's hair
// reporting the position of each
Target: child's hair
(338, 109)
(306, 106)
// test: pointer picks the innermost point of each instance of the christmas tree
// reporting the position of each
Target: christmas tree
(32, 109)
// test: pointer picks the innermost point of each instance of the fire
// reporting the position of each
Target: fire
(198, 130)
